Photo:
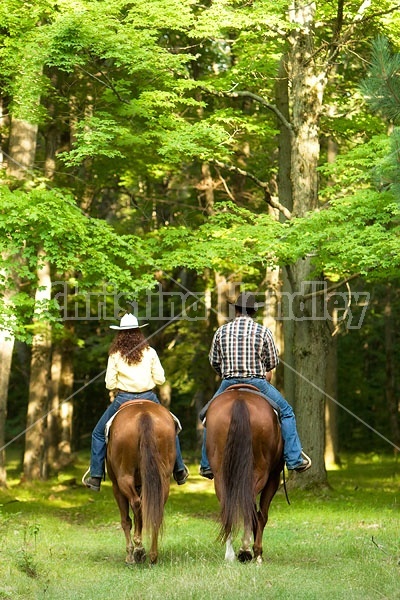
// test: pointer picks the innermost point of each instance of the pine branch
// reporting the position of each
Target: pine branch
(382, 87)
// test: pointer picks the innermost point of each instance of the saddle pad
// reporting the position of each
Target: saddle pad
(178, 426)
(247, 387)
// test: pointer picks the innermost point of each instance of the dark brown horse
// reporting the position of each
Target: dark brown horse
(245, 450)
(140, 459)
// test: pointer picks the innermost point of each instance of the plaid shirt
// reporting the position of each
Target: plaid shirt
(243, 348)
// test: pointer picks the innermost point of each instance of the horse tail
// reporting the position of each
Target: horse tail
(152, 471)
(237, 499)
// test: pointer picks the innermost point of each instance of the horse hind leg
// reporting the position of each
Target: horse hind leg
(127, 526)
(139, 553)
(229, 551)
(153, 554)
(245, 554)
(262, 517)
(258, 533)
(126, 522)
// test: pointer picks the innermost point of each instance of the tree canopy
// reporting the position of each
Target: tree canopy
(178, 144)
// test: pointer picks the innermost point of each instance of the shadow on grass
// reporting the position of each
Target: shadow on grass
(369, 481)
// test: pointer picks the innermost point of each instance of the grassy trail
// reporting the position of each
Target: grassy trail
(61, 542)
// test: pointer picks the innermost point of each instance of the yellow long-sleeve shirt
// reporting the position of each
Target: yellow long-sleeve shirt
(140, 377)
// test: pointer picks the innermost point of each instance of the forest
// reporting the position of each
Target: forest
(158, 158)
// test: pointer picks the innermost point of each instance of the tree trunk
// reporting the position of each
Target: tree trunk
(22, 148)
(22, 145)
(53, 418)
(271, 318)
(205, 376)
(35, 460)
(307, 315)
(309, 352)
(6, 351)
(285, 198)
(67, 406)
(331, 407)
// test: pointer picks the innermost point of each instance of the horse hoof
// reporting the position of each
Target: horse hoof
(245, 556)
(139, 555)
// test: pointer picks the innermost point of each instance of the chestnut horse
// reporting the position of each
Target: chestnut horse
(245, 450)
(140, 458)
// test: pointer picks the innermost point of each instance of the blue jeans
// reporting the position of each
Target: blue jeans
(99, 447)
(291, 442)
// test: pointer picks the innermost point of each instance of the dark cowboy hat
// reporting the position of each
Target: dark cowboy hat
(247, 300)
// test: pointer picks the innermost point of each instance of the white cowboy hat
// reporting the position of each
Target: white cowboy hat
(128, 321)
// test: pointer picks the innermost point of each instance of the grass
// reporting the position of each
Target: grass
(61, 542)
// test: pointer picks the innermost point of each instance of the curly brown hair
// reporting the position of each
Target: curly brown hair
(130, 344)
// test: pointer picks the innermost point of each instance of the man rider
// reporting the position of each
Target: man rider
(244, 352)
